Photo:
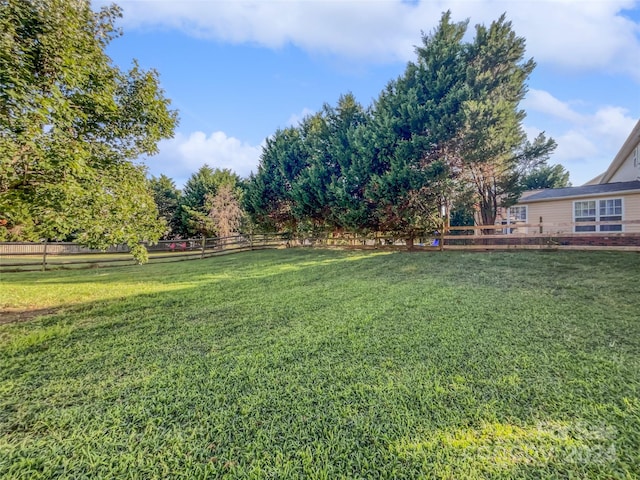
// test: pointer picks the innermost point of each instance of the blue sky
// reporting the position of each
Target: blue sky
(238, 70)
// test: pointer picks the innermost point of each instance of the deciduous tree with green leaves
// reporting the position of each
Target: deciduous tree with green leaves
(71, 125)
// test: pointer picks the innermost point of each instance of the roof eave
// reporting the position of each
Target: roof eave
(587, 195)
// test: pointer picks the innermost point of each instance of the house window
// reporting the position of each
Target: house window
(585, 211)
(598, 211)
(611, 210)
(518, 213)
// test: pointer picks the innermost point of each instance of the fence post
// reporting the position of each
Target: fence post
(204, 244)
(44, 256)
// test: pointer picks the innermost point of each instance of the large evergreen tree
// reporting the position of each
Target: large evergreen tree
(545, 176)
(496, 151)
(268, 196)
(167, 199)
(323, 193)
(71, 124)
(415, 125)
(446, 133)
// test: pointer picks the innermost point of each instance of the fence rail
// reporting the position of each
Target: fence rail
(22, 256)
(46, 256)
(493, 237)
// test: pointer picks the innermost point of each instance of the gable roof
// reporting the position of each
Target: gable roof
(583, 191)
(630, 143)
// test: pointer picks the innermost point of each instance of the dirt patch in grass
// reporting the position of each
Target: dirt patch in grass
(15, 316)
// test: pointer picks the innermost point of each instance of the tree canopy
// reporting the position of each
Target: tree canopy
(167, 197)
(193, 214)
(445, 134)
(71, 126)
(496, 151)
(545, 176)
(269, 195)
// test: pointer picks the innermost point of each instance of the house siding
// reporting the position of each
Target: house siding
(629, 170)
(554, 208)
(624, 166)
(557, 215)
(553, 212)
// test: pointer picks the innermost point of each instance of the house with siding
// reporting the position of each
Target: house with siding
(607, 204)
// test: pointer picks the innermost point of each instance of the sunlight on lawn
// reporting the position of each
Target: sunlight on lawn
(278, 269)
(42, 295)
(500, 446)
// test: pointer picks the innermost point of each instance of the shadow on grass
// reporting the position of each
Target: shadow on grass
(14, 316)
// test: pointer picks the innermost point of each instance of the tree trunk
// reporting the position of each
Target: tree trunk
(409, 243)
(488, 216)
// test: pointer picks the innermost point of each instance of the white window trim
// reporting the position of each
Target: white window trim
(508, 223)
(597, 200)
(526, 213)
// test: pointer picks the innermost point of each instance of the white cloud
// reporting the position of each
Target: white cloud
(575, 146)
(587, 142)
(579, 35)
(571, 34)
(183, 155)
(613, 123)
(544, 102)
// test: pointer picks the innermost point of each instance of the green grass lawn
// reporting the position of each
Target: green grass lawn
(325, 364)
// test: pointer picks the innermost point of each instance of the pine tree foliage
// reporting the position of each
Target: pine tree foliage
(545, 176)
(268, 195)
(167, 198)
(447, 132)
(415, 124)
(496, 149)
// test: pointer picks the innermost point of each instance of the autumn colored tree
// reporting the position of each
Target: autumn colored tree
(193, 208)
(225, 210)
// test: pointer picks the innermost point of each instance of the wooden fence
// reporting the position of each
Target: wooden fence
(45, 256)
(49, 255)
(557, 236)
